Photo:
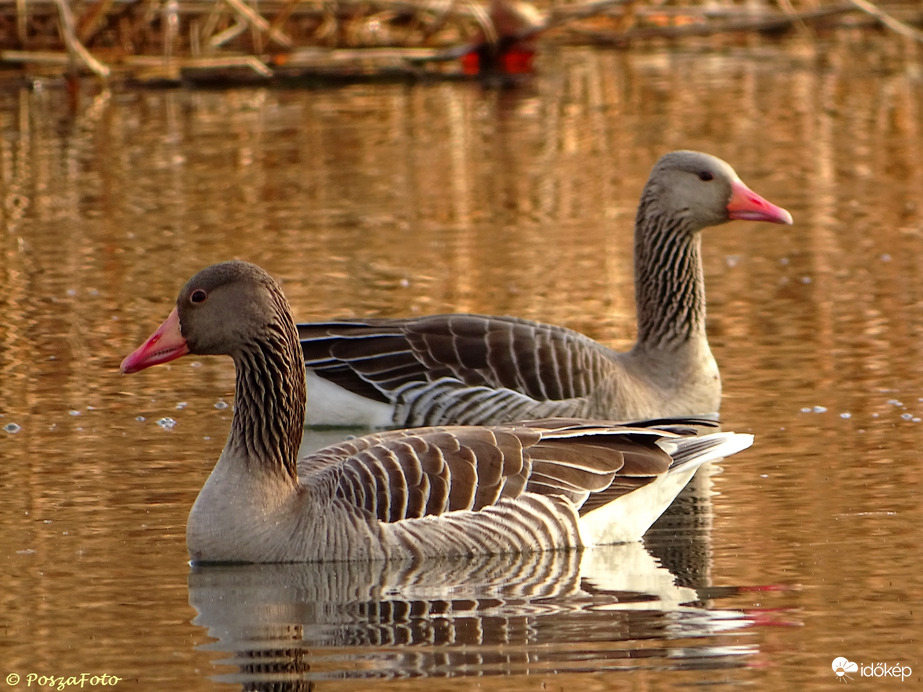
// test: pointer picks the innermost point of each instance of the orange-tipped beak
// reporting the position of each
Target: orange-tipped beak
(165, 344)
(746, 205)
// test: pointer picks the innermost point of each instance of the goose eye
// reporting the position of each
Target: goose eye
(198, 296)
(706, 175)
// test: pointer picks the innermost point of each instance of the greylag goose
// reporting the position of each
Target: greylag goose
(427, 492)
(478, 369)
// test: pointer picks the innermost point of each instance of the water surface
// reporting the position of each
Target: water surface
(393, 199)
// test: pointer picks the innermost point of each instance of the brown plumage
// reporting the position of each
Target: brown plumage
(423, 492)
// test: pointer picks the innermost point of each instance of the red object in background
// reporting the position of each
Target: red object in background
(515, 59)
(511, 51)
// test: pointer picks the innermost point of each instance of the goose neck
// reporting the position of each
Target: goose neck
(669, 281)
(269, 405)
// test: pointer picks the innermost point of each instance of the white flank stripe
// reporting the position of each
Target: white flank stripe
(330, 404)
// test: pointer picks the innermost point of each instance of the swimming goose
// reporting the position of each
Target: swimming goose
(477, 369)
(426, 492)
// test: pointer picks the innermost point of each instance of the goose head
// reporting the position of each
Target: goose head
(701, 190)
(221, 310)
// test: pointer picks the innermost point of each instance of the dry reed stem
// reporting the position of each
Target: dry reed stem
(891, 22)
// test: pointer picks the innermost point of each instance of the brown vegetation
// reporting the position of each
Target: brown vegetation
(176, 39)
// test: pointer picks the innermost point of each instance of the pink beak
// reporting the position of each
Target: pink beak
(165, 344)
(746, 205)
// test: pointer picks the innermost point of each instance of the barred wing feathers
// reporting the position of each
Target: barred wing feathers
(375, 358)
(409, 474)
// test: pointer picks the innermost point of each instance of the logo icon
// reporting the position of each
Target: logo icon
(841, 666)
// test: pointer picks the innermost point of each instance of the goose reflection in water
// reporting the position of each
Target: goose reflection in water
(612, 608)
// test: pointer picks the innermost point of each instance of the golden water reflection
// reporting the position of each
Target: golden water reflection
(611, 609)
(396, 199)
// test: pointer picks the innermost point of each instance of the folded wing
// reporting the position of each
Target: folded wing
(375, 358)
(410, 474)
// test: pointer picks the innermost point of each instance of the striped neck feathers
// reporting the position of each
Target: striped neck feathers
(269, 405)
(669, 280)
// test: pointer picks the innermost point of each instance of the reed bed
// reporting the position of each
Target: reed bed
(174, 40)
